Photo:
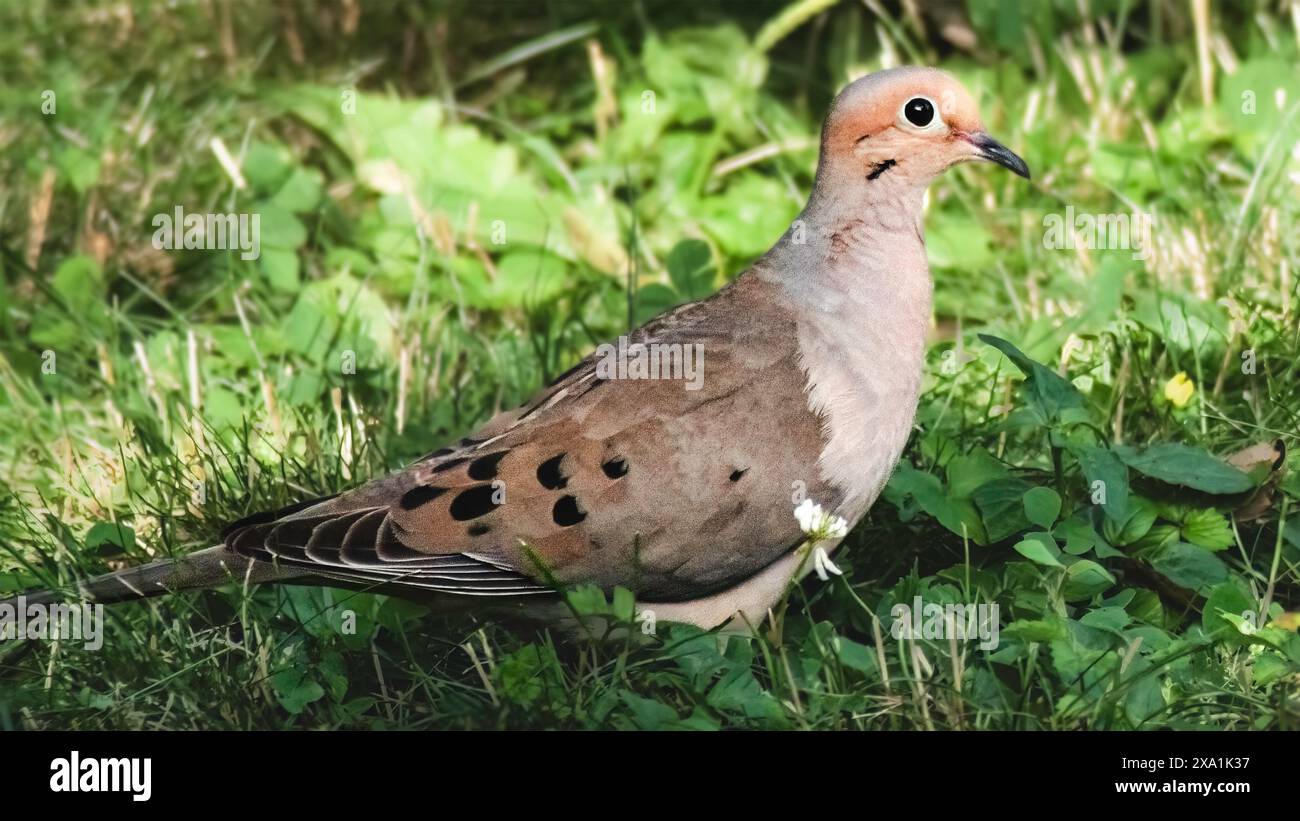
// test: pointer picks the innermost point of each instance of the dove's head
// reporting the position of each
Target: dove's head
(909, 124)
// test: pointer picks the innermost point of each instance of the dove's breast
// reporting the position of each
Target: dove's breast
(861, 342)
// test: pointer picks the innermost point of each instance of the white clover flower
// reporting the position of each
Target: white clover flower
(823, 565)
(807, 514)
(820, 527)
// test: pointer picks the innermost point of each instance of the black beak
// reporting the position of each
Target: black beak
(994, 151)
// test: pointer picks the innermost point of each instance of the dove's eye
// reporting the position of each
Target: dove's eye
(919, 111)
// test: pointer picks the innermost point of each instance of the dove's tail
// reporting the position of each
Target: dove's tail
(205, 568)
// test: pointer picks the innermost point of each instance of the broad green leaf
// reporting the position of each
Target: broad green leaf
(280, 267)
(1112, 619)
(647, 714)
(1230, 597)
(1209, 529)
(855, 656)
(1141, 516)
(968, 472)
(279, 227)
(1107, 480)
(116, 537)
(1146, 607)
(1189, 566)
(624, 607)
(1001, 508)
(690, 268)
(295, 688)
(1145, 697)
(1041, 630)
(80, 282)
(1188, 466)
(1047, 393)
(1077, 533)
(1085, 579)
(1042, 506)
(958, 515)
(301, 192)
(1035, 547)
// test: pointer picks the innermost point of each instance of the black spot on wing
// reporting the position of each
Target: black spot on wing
(473, 503)
(485, 467)
(567, 512)
(422, 495)
(549, 475)
(615, 468)
(449, 464)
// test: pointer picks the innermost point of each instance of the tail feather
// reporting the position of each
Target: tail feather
(204, 568)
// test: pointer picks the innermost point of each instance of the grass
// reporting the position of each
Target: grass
(509, 193)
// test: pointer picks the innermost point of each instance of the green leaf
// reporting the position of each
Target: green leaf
(301, 192)
(281, 269)
(1110, 619)
(738, 691)
(1040, 630)
(1107, 480)
(1085, 579)
(1048, 394)
(958, 515)
(1145, 697)
(1141, 516)
(1035, 547)
(587, 600)
(647, 714)
(115, 537)
(1270, 667)
(295, 688)
(266, 166)
(1146, 607)
(690, 268)
(528, 277)
(969, 472)
(1209, 529)
(81, 284)
(1077, 533)
(1042, 506)
(1000, 505)
(279, 228)
(1183, 321)
(855, 656)
(624, 604)
(1230, 597)
(1188, 466)
(1189, 566)
(520, 675)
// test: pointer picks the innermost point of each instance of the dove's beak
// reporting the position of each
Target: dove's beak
(990, 149)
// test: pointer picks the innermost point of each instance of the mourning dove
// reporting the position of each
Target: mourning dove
(682, 490)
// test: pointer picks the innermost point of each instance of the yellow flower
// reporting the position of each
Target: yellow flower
(1179, 390)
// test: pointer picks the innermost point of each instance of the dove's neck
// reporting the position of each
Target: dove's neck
(853, 269)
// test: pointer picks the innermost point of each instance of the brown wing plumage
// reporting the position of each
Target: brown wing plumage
(673, 492)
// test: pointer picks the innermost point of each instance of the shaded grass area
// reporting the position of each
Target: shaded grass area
(456, 207)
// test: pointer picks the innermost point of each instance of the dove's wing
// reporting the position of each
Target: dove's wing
(671, 487)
